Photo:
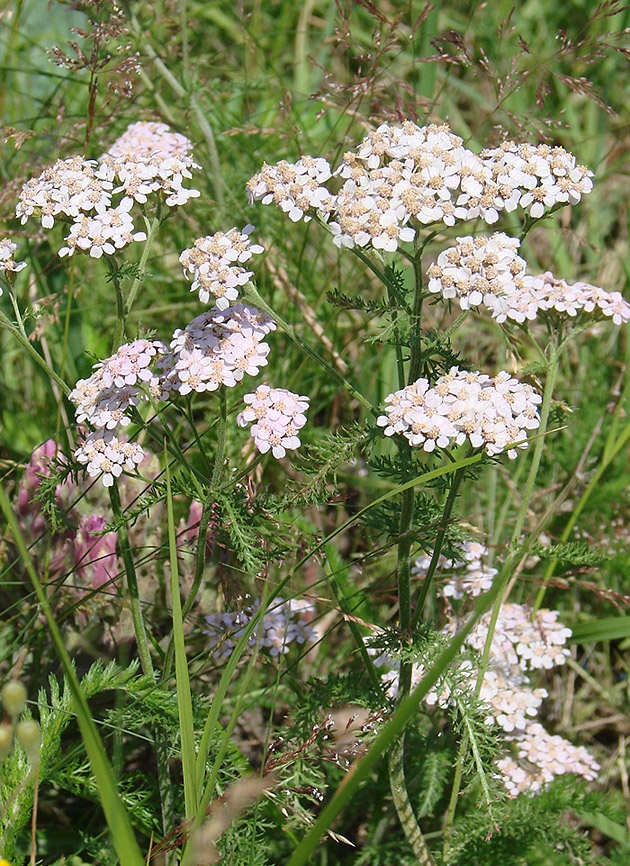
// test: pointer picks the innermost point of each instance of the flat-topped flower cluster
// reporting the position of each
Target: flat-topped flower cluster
(147, 160)
(488, 272)
(215, 265)
(278, 417)
(404, 176)
(490, 413)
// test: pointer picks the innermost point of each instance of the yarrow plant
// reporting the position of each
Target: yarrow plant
(210, 494)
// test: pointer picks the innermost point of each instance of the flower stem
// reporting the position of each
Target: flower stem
(132, 581)
(506, 570)
(403, 805)
(437, 549)
(255, 298)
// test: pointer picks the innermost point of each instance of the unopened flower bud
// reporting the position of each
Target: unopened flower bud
(6, 740)
(29, 736)
(14, 698)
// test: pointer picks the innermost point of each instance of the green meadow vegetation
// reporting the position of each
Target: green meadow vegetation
(358, 632)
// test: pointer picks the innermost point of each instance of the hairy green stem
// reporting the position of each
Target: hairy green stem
(403, 805)
(153, 228)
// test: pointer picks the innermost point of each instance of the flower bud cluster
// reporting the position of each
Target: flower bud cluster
(26, 731)
(217, 348)
(215, 265)
(479, 270)
(7, 262)
(470, 575)
(278, 416)
(284, 623)
(490, 413)
(537, 177)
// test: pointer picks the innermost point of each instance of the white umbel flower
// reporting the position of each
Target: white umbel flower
(215, 264)
(7, 261)
(277, 415)
(489, 413)
(103, 233)
(104, 454)
(479, 271)
(218, 348)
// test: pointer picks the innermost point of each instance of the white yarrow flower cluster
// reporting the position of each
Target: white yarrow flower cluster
(537, 177)
(103, 233)
(478, 271)
(296, 188)
(217, 348)
(116, 384)
(104, 454)
(146, 138)
(278, 416)
(7, 261)
(470, 575)
(404, 176)
(544, 294)
(147, 159)
(285, 623)
(215, 264)
(544, 757)
(490, 413)
(64, 190)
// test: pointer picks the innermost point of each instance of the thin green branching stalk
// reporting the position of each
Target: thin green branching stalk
(152, 230)
(209, 500)
(252, 294)
(32, 351)
(439, 542)
(506, 570)
(132, 581)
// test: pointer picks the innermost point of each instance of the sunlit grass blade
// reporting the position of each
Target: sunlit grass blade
(609, 628)
(184, 697)
(116, 815)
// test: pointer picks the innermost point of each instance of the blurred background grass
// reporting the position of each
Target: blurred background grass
(265, 81)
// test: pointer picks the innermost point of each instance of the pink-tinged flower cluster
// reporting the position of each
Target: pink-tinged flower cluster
(544, 295)
(104, 454)
(147, 159)
(277, 416)
(117, 383)
(490, 413)
(402, 176)
(215, 264)
(7, 261)
(217, 348)
(478, 271)
(147, 138)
